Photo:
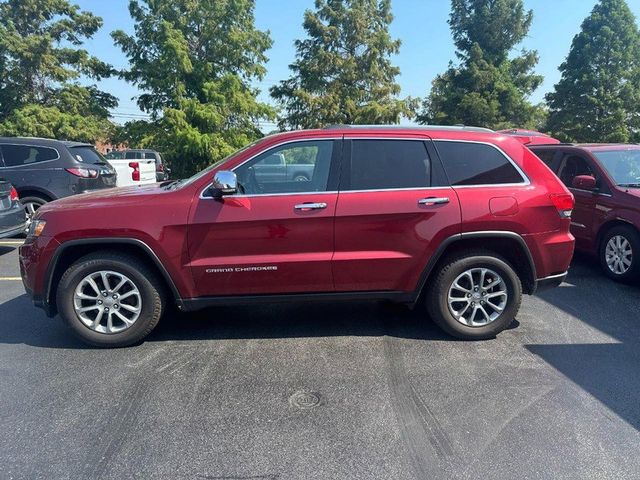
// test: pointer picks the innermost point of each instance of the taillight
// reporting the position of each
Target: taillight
(135, 175)
(83, 172)
(160, 167)
(13, 195)
(564, 203)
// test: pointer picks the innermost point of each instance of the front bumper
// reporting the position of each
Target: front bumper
(547, 283)
(35, 256)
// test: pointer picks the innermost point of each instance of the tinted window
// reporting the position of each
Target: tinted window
(18, 155)
(476, 164)
(300, 167)
(132, 155)
(573, 166)
(87, 155)
(383, 164)
(150, 155)
(546, 156)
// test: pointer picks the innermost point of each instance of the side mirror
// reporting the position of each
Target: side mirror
(224, 183)
(584, 182)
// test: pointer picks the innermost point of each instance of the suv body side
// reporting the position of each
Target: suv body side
(381, 242)
(49, 177)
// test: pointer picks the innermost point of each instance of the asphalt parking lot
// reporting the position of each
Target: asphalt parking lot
(327, 391)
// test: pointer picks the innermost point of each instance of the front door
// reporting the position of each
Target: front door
(277, 234)
(582, 218)
(393, 210)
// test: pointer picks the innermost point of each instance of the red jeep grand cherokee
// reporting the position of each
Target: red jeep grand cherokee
(463, 220)
(605, 180)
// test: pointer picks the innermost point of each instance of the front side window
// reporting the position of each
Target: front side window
(622, 165)
(389, 164)
(476, 164)
(292, 168)
(573, 166)
(546, 156)
(20, 155)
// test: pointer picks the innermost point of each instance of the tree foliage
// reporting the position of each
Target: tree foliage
(488, 87)
(40, 62)
(598, 95)
(343, 73)
(195, 62)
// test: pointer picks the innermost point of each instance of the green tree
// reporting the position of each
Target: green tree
(40, 63)
(488, 88)
(343, 73)
(598, 95)
(195, 62)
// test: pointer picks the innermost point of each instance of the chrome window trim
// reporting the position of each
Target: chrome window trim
(4, 165)
(525, 179)
(425, 138)
(298, 140)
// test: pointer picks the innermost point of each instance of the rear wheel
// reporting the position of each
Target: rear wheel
(31, 204)
(110, 299)
(620, 253)
(475, 296)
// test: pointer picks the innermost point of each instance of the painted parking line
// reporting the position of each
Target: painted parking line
(10, 279)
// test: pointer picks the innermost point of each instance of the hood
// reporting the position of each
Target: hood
(634, 192)
(108, 196)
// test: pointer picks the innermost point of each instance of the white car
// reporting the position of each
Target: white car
(133, 172)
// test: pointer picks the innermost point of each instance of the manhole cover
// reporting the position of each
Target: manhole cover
(305, 400)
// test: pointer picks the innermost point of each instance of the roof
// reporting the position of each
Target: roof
(449, 128)
(46, 142)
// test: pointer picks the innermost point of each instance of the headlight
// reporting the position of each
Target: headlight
(36, 228)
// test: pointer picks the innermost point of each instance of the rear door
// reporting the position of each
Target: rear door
(274, 237)
(394, 209)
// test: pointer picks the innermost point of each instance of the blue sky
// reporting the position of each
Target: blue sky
(422, 26)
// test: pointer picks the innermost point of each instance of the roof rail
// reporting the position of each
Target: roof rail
(413, 127)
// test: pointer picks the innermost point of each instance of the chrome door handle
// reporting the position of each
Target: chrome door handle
(433, 201)
(310, 206)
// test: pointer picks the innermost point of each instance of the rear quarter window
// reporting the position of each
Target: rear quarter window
(21, 155)
(476, 164)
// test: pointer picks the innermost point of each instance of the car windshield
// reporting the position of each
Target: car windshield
(88, 155)
(622, 165)
(205, 172)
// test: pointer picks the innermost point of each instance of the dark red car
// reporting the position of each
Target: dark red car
(461, 220)
(605, 180)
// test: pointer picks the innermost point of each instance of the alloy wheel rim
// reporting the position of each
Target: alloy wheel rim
(619, 255)
(30, 209)
(107, 302)
(477, 297)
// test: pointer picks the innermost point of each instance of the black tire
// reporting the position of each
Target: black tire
(146, 280)
(631, 235)
(438, 292)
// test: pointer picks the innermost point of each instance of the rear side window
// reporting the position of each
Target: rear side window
(87, 155)
(476, 164)
(546, 156)
(387, 164)
(20, 155)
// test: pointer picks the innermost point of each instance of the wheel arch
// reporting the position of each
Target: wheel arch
(35, 192)
(508, 245)
(72, 250)
(608, 225)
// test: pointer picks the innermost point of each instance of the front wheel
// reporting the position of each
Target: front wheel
(110, 299)
(475, 296)
(620, 253)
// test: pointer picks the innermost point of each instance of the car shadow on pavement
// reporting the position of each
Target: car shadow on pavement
(6, 249)
(21, 323)
(609, 371)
